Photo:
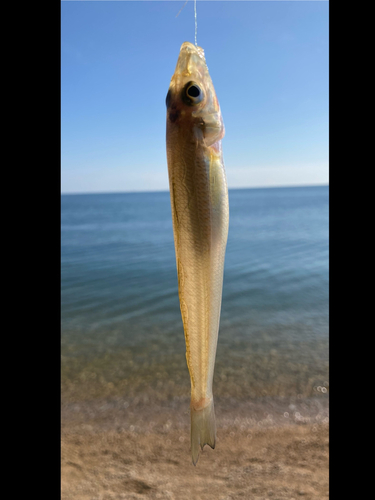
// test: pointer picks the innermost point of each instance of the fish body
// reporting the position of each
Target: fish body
(200, 215)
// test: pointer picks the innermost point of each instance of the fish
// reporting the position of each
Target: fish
(200, 219)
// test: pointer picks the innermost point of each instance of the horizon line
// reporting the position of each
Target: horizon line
(167, 190)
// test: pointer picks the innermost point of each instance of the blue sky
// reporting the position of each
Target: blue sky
(269, 64)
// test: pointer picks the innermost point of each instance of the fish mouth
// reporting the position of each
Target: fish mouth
(190, 48)
(190, 59)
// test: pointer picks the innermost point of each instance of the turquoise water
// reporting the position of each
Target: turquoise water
(120, 318)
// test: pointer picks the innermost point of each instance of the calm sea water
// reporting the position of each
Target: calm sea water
(120, 317)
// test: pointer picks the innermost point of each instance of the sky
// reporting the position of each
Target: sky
(268, 61)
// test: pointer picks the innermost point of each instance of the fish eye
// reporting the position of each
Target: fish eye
(193, 93)
(168, 98)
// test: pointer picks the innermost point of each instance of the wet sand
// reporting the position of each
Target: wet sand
(275, 448)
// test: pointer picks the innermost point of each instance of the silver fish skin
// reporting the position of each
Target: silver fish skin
(200, 215)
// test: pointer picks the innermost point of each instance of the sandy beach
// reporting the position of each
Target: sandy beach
(266, 449)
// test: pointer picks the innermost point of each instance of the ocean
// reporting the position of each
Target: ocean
(121, 328)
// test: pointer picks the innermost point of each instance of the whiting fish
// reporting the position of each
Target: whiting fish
(200, 214)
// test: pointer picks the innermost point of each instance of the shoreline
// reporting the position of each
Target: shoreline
(122, 413)
(131, 449)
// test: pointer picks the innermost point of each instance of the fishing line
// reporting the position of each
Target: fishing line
(195, 18)
(182, 8)
(196, 24)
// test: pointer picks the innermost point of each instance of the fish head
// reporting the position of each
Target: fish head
(191, 100)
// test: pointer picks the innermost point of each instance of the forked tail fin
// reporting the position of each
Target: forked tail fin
(203, 429)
